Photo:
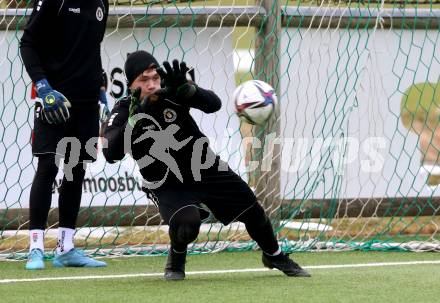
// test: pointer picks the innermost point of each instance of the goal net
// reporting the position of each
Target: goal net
(350, 159)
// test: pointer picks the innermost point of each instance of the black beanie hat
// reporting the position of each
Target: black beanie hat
(137, 62)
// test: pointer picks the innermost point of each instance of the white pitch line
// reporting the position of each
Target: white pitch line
(210, 272)
(372, 264)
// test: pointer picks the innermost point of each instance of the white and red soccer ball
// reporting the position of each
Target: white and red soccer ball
(255, 101)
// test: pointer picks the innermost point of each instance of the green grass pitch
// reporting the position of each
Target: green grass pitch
(399, 283)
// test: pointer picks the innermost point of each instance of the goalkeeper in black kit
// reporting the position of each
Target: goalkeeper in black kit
(180, 171)
(61, 50)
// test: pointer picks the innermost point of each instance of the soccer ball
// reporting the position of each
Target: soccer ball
(255, 101)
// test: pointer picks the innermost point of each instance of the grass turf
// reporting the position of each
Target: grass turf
(406, 283)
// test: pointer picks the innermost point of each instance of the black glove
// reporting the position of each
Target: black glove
(175, 81)
(146, 106)
(135, 106)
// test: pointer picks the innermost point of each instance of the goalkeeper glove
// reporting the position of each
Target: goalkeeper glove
(55, 104)
(138, 106)
(175, 81)
(146, 106)
(104, 111)
(135, 106)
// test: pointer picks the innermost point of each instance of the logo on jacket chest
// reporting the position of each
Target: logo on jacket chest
(75, 10)
(99, 14)
(169, 115)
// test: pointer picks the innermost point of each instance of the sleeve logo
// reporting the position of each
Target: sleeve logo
(110, 121)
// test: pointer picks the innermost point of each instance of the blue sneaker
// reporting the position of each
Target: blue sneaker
(35, 259)
(76, 258)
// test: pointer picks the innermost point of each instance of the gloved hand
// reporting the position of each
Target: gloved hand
(55, 104)
(138, 106)
(135, 106)
(146, 106)
(175, 81)
(104, 111)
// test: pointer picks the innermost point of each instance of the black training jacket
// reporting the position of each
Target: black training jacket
(166, 115)
(61, 42)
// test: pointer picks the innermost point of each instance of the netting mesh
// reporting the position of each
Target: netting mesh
(350, 160)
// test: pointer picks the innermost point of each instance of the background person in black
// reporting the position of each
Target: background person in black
(179, 195)
(61, 51)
